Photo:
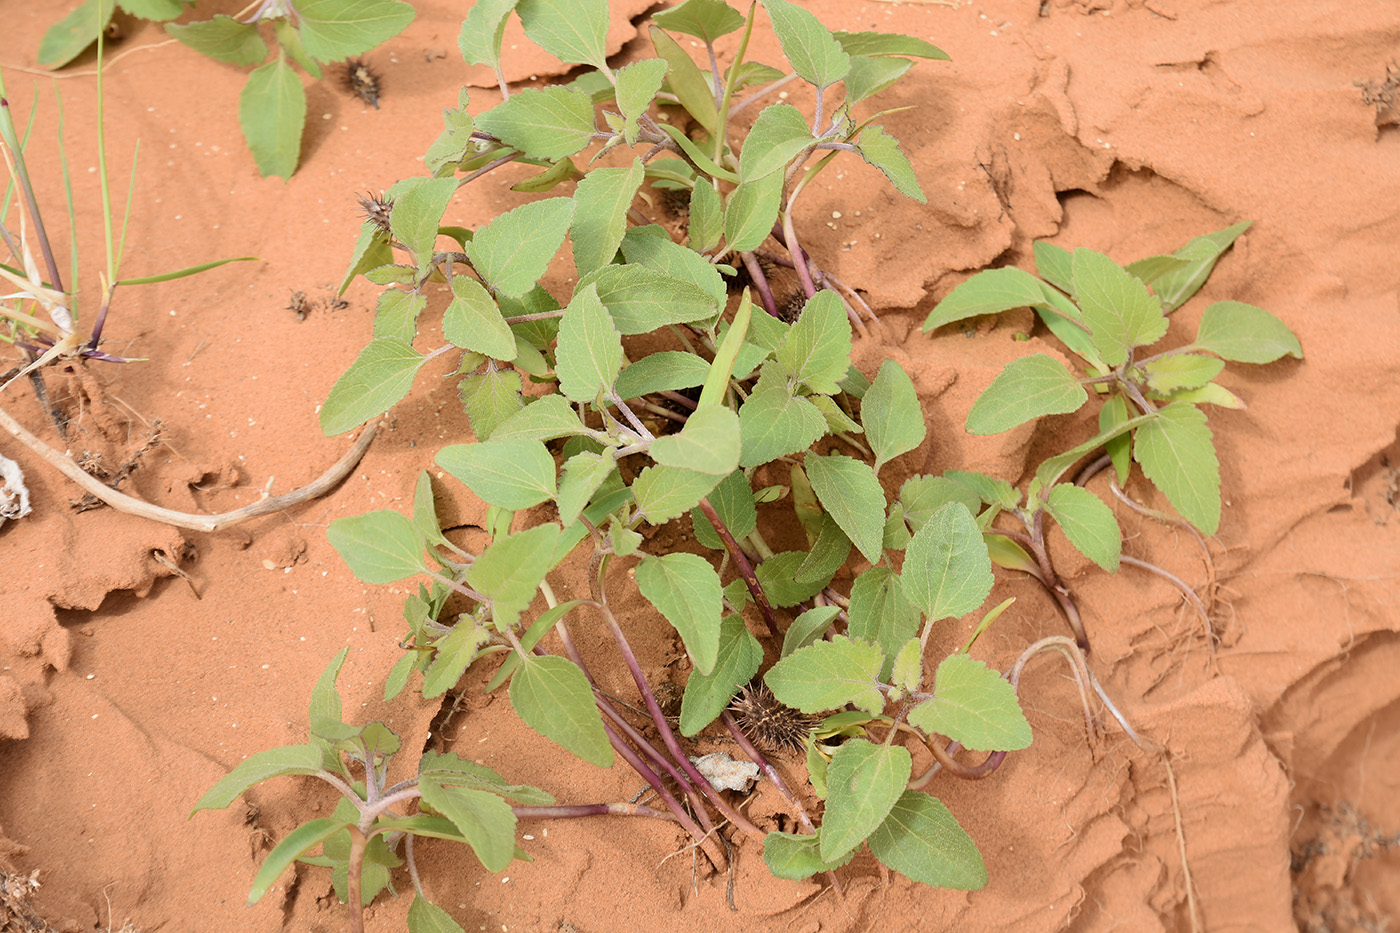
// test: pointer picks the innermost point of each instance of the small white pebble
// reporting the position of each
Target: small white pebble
(725, 773)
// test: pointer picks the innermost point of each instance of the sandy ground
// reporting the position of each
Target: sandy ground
(1125, 126)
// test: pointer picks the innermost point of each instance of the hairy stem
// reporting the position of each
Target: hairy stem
(354, 871)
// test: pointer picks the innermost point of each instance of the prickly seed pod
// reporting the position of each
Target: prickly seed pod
(376, 209)
(363, 81)
(769, 724)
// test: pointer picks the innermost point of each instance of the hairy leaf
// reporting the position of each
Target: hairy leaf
(1177, 453)
(946, 570)
(921, 840)
(1242, 333)
(380, 376)
(829, 674)
(553, 697)
(512, 251)
(974, 705)
(1028, 388)
(863, 782)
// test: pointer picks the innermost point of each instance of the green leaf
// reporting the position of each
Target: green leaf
(774, 140)
(1087, 523)
(705, 19)
(637, 85)
(695, 94)
(1177, 453)
(921, 840)
(882, 150)
(665, 492)
(685, 590)
(380, 377)
(807, 628)
(794, 857)
(1243, 333)
(417, 214)
(484, 819)
(837, 421)
(974, 705)
(888, 43)
(661, 254)
(290, 41)
(398, 675)
(989, 292)
(511, 474)
(1008, 554)
(869, 75)
(603, 198)
(549, 179)
(1211, 394)
(829, 552)
(538, 629)
(482, 31)
(863, 781)
(378, 547)
(1028, 388)
(299, 840)
(272, 111)
(371, 251)
(661, 371)
(1118, 310)
(1054, 263)
(640, 299)
(222, 38)
(454, 653)
(709, 443)
(514, 250)
(896, 532)
(890, 414)
(336, 29)
(922, 495)
(816, 351)
(510, 570)
(553, 697)
(1113, 413)
(396, 314)
(544, 123)
(259, 767)
(881, 614)
(733, 502)
(325, 705)
(71, 36)
(907, 671)
(946, 570)
(1175, 283)
(590, 348)
(810, 48)
(736, 661)
(851, 494)
(829, 674)
(778, 577)
(426, 917)
(570, 30)
(473, 322)
(773, 424)
(1167, 374)
(583, 474)
(751, 211)
(988, 489)
(489, 399)
(706, 218)
(453, 771)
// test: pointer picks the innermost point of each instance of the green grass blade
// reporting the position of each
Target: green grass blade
(192, 270)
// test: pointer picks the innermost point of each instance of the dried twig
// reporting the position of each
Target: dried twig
(191, 520)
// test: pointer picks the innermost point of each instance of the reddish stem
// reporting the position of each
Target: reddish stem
(741, 561)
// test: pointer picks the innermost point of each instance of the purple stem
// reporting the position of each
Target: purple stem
(745, 568)
(760, 283)
(588, 809)
(667, 736)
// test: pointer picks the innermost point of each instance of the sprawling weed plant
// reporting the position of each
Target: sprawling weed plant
(665, 399)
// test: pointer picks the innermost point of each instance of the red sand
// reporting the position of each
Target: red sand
(1124, 125)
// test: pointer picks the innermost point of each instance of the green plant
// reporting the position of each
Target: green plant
(456, 800)
(272, 107)
(40, 292)
(740, 399)
(1108, 315)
